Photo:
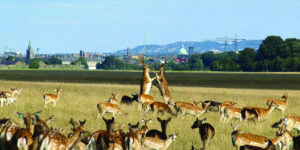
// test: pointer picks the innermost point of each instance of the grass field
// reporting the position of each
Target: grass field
(79, 99)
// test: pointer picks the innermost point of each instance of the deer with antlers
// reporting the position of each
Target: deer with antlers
(146, 81)
(280, 104)
(114, 98)
(52, 98)
(163, 82)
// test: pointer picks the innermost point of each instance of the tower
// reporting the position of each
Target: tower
(191, 51)
(128, 52)
(82, 53)
(29, 52)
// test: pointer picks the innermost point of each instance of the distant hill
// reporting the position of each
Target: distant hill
(199, 47)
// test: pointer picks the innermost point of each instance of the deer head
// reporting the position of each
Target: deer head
(198, 123)
(142, 62)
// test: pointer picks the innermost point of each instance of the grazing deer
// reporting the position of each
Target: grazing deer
(52, 98)
(284, 139)
(157, 134)
(225, 105)
(239, 138)
(179, 104)
(114, 98)
(270, 146)
(22, 138)
(280, 104)
(107, 107)
(163, 82)
(213, 105)
(128, 100)
(150, 143)
(206, 131)
(146, 81)
(232, 112)
(144, 128)
(192, 109)
(157, 107)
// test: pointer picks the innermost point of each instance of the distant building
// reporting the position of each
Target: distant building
(29, 52)
(191, 51)
(215, 51)
(82, 53)
(182, 55)
(15, 54)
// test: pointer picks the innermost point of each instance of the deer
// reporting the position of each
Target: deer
(225, 105)
(206, 131)
(239, 138)
(192, 109)
(163, 82)
(261, 113)
(133, 138)
(128, 100)
(270, 146)
(280, 104)
(9, 128)
(157, 134)
(107, 107)
(22, 139)
(289, 122)
(145, 100)
(157, 107)
(146, 81)
(150, 143)
(114, 98)
(232, 112)
(284, 139)
(213, 105)
(179, 104)
(9, 97)
(52, 98)
(144, 128)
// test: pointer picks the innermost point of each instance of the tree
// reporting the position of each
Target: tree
(34, 64)
(246, 59)
(113, 63)
(53, 61)
(80, 61)
(196, 62)
(270, 48)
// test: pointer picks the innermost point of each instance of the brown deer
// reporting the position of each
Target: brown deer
(114, 98)
(192, 109)
(146, 81)
(270, 146)
(9, 128)
(225, 105)
(133, 138)
(150, 143)
(261, 113)
(239, 138)
(52, 98)
(145, 99)
(157, 134)
(280, 104)
(157, 107)
(163, 82)
(206, 131)
(284, 139)
(107, 107)
(232, 112)
(144, 128)
(179, 104)
(291, 122)
(22, 138)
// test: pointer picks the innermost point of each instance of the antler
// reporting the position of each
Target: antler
(141, 59)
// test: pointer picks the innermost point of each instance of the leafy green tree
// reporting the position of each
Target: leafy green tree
(270, 48)
(196, 62)
(34, 64)
(246, 59)
(53, 61)
(112, 62)
(80, 61)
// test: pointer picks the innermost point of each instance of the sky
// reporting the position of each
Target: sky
(67, 26)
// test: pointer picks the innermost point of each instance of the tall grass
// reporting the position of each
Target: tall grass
(79, 101)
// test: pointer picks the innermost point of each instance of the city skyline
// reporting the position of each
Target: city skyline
(104, 26)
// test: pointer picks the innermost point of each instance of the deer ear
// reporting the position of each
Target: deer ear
(38, 113)
(20, 115)
(203, 121)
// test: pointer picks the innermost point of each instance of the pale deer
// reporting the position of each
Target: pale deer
(144, 128)
(291, 122)
(163, 82)
(146, 81)
(160, 134)
(225, 105)
(128, 100)
(52, 98)
(284, 139)
(107, 107)
(157, 107)
(192, 109)
(270, 146)
(22, 138)
(179, 104)
(9, 97)
(239, 138)
(280, 104)
(206, 131)
(114, 98)
(232, 112)
(150, 143)
(262, 113)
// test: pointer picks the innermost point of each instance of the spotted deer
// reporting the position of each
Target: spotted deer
(150, 143)
(114, 98)
(291, 122)
(52, 98)
(160, 134)
(270, 146)
(146, 81)
(261, 113)
(284, 140)
(22, 139)
(239, 138)
(107, 107)
(232, 112)
(157, 107)
(206, 131)
(280, 104)
(179, 104)
(225, 105)
(191, 109)
(133, 138)
(163, 82)
(145, 100)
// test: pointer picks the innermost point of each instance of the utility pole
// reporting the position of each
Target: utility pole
(235, 41)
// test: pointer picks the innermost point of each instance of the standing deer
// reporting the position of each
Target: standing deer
(280, 104)
(52, 98)
(284, 139)
(107, 107)
(9, 128)
(270, 146)
(191, 109)
(223, 106)
(288, 123)
(157, 134)
(114, 98)
(157, 107)
(144, 128)
(232, 112)
(128, 100)
(206, 131)
(146, 81)
(260, 113)
(163, 82)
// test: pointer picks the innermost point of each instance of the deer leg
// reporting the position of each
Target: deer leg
(153, 79)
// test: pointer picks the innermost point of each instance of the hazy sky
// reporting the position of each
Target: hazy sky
(107, 25)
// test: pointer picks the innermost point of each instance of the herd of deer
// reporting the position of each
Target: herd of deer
(39, 136)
